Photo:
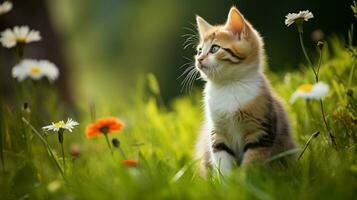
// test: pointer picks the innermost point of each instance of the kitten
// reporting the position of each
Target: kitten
(244, 120)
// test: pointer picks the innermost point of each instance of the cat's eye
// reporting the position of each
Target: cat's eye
(214, 48)
(199, 51)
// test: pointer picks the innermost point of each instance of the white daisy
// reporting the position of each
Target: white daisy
(69, 125)
(309, 91)
(35, 69)
(5, 7)
(293, 17)
(19, 34)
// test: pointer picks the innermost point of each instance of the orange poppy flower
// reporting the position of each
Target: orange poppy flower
(104, 126)
(130, 163)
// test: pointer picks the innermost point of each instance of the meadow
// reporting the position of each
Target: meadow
(152, 154)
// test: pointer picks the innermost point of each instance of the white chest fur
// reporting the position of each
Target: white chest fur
(223, 101)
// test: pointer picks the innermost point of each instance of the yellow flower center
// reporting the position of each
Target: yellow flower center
(21, 40)
(306, 87)
(36, 70)
(60, 124)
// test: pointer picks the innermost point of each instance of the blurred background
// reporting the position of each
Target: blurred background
(103, 47)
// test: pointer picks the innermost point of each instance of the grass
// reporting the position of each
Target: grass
(162, 137)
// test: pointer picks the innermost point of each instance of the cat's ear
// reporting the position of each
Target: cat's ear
(235, 22)
(202, 25)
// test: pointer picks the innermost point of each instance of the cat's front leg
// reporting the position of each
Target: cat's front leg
(258, 147)
(256, 155)
(222, 156)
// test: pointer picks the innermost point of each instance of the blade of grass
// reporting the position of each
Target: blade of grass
(283, 154)
(314, 135)
(183, 170)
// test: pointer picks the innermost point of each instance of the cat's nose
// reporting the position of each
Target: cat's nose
(200, 59)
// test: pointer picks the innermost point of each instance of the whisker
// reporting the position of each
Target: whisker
(188, 45)
(193, 30)
(193, 80)
(190, 35)
(185, 64)
(187, 58)
(190, 42)
(192, 38)
(190, 82)
(189, 39)
(187, 79)
(186, 70)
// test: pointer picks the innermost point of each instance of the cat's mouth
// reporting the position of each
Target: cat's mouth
(202, 67)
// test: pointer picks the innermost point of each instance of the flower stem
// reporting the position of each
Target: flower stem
(61, 140)
(24, 135)
(19, 52)
(332, 137)
(318, 66)
(316, 73)
(303, 49)
(108, 142)
(307, 56)
(63, 158)
(122, 153)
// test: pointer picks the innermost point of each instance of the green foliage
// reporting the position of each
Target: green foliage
(354, 8)
(162, 138)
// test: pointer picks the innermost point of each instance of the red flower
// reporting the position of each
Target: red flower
(130, 163)
(104, 126)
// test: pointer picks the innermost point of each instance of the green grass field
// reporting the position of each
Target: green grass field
(161, 138)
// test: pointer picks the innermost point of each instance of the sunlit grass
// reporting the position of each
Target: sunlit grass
(161, 138)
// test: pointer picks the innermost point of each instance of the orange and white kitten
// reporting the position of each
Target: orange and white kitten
(244, 120)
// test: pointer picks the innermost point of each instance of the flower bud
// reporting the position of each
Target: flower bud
(26, 108)
(317, 35)
(116, 142)
(320, 45)
(75, 151)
